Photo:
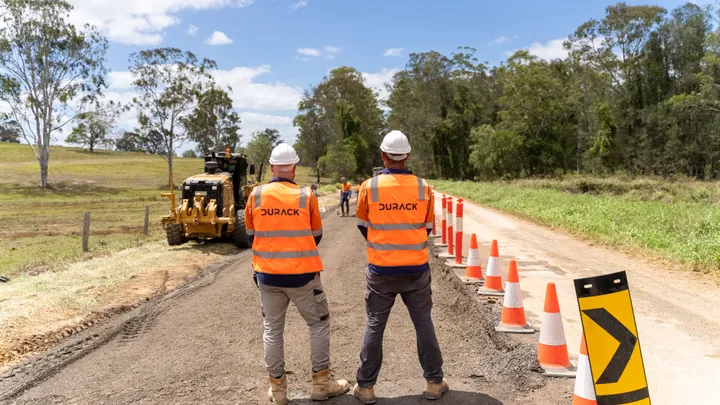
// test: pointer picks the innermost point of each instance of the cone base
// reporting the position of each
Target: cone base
(494, 293)
(582, 401)
(455, 265)
(441, 245)
(435, 236)
(471, 280)
(569, 372)
(515, 329)
(446, 255)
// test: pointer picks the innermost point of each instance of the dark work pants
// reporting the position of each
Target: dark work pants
(345, 203)
(379, 299)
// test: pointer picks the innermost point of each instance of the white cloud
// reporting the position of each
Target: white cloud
(549, 51)
(393, 52)
(258, 96)
(120, 80)
(192, 30)
(332, 52)
(218, 38)
(252, 121)
(377, 81)
(298, 5)
(309, 51)
(502, 39)
(140, 22)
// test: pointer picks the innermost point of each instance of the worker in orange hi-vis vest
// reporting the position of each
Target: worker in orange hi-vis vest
(345, 192)
(395, 213)
(284, 225)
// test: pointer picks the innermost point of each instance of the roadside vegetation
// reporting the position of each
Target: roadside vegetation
(676, 220)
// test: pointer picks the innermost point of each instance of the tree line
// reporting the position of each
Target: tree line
(53, 74)
(639, 93)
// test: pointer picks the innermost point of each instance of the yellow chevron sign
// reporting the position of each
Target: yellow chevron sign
(612, 340)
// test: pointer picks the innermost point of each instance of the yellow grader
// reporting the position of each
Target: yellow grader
(213, 203)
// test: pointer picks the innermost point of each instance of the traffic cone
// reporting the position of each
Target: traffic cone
(513, 313)
(552, 349)
(493, 280)
(584, 393)
(473, 271)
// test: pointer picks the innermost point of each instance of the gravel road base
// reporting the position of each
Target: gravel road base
(202, 343)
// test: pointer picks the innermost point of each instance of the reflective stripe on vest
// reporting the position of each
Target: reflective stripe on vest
(284, 242)
(397, 231)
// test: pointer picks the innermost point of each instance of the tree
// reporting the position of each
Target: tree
(214, 124)
(46, 66)
(260, 147)
(10, 131)
(315, 131)
(153, 143)
(338, 162)
(170, 83)
(94, 126)
(437, 100)
(190, 154)
(341, 108)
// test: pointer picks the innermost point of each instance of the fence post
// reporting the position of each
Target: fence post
(147, 220)
(86, 230)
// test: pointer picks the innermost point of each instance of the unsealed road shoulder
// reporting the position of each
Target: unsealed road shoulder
(203, 344)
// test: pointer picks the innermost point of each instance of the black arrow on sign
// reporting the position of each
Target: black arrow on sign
(616, 329)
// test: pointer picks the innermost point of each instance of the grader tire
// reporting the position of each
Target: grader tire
(239, 233)
(175, 234)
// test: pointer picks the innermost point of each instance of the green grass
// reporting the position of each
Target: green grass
(40, 229)
(674, 220)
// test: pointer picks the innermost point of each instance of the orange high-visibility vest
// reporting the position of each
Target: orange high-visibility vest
(284, 242)
(345, 187)
(397, 227)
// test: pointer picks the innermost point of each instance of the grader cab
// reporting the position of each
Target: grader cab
(213, 203)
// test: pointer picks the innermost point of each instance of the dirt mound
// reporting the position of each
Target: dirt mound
(496, 356)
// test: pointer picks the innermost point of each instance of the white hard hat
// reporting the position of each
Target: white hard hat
(284, 154)
(396, 145)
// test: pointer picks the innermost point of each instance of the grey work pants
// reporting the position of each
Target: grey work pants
(379, 299)
(312, 304)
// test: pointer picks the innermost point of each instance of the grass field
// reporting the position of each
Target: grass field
(675, 220)
(40, 230)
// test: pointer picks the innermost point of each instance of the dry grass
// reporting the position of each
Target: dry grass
(50, 301)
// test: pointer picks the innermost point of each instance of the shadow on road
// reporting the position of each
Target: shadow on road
(450, 398)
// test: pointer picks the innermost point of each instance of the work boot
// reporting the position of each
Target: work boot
(435, 390)
(365, 395)
(278, 390)
(323, 387)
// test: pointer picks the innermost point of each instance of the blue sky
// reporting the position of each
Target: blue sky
(270, 50)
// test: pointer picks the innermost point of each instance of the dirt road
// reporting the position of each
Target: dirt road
(677, 312)
(202, 344)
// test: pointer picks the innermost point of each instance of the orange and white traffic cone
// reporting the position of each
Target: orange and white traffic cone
(584, 393)
(513, 312)
(552, 348)
(473, 271)
(493, 280)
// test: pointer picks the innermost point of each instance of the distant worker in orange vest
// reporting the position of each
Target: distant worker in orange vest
(284, 225)
(345, 191)
(357, 188)
(395, 213)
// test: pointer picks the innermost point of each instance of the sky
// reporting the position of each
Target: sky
(270, 51)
